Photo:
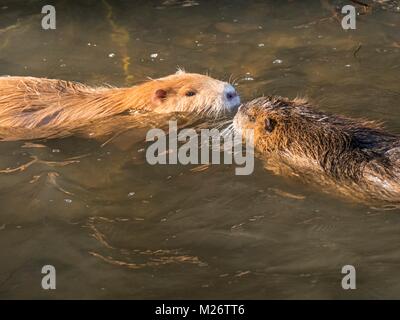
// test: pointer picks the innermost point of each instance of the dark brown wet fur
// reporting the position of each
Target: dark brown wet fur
(358, 158)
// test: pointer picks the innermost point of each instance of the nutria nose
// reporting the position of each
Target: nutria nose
(231, 95)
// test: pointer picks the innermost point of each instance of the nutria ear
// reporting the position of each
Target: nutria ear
(159, 95)
(270, 124)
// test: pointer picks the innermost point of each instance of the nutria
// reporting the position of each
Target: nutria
(355, 157)
(31, 103)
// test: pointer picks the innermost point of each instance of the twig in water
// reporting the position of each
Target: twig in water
(356, 51)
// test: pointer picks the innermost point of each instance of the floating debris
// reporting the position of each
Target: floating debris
(242, 273)
(247, 78)
(33, 145)
(287, 194)
(178, 3)
(200, 168)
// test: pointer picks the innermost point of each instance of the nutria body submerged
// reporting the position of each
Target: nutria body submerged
(358, 158)
(32, 103)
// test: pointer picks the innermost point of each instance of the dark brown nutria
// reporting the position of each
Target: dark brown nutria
(31, 103)
(356, 157)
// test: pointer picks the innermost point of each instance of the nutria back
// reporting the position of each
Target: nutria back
(29, 102)
(356, 157)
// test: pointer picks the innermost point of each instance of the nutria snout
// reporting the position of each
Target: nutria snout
(357, 157)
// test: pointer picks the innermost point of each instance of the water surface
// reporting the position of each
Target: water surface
(116, 227)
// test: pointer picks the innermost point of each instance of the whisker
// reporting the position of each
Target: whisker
(235, 81)
(230, 78)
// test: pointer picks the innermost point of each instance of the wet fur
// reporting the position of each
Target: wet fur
(357, 157)
(48, 104)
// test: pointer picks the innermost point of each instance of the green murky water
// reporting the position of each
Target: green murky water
(116, 227)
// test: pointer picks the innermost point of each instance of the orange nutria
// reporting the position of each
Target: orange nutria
(355, 157)
(31, 103)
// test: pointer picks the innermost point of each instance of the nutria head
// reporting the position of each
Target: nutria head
(279, 124)
(189, 92)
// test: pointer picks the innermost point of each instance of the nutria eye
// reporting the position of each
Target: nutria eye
(270, 124)
(190, 93)
(252, 118)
